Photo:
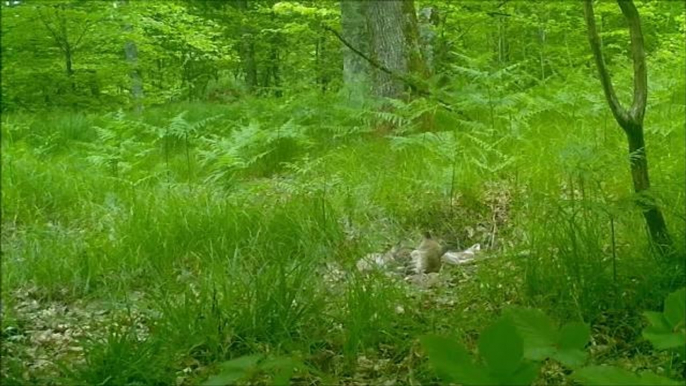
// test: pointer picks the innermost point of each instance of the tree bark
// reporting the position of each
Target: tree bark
(387, 45)
(394, 43)
(428, 21)
(247, 50)
(354, 29)
(631, 120)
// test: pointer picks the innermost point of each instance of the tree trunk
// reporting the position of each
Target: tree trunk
(639, 175)
(136, 82)
(131, 52)
(394, 44)
(247, 50)
(417, 63)
(631, 121)
(388, 46)
(354, 29)
(428, 21)
(275, 70)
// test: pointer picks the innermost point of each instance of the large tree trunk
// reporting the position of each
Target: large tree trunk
(631, 121)
(394, 44)
(354, 29)
(387, 46)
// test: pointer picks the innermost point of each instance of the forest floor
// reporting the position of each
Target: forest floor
(133, 260)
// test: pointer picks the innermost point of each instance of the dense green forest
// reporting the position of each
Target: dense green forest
(396, 192)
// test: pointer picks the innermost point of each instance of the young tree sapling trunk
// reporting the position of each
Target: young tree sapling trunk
(631, 120)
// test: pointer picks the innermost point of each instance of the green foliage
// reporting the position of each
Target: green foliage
(542, 339)
(501, 349)
(528, 334)
(280, 370)
(667, 329)
(116, 146)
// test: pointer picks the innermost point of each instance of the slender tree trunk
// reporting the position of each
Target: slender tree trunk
(247, 50)
(249, 64)
(68, 54)
(275, 68)
(136, 81)
(321, 78)
(131, 52)
(134, 74)
(428, 21)
(68, 64)
(541, 40)
(417, 62)
(631, 120)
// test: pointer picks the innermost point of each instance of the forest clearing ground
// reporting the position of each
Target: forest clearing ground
(229, 263)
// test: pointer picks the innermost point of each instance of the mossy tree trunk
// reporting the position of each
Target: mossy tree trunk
(394, 43)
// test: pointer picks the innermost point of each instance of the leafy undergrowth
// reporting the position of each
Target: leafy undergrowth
(154, 249)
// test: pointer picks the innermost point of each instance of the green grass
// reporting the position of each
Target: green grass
(230, 256)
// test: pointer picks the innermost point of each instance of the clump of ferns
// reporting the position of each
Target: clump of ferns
(251, 149)
(340, 123)
(404, 116)
(465, 149)
(178, 131)
(117, 145)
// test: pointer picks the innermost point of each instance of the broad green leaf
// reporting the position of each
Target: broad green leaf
(652, 379)
(233, 370)
(570, 357)
(614, 376)
(675, 308)
(537, 331)
(452, 362)
(283, 375)
(657, 321)
(660, 333)
(525, 374)
(283, 369)
(574, 335)
(664, 340)
(501, 347)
